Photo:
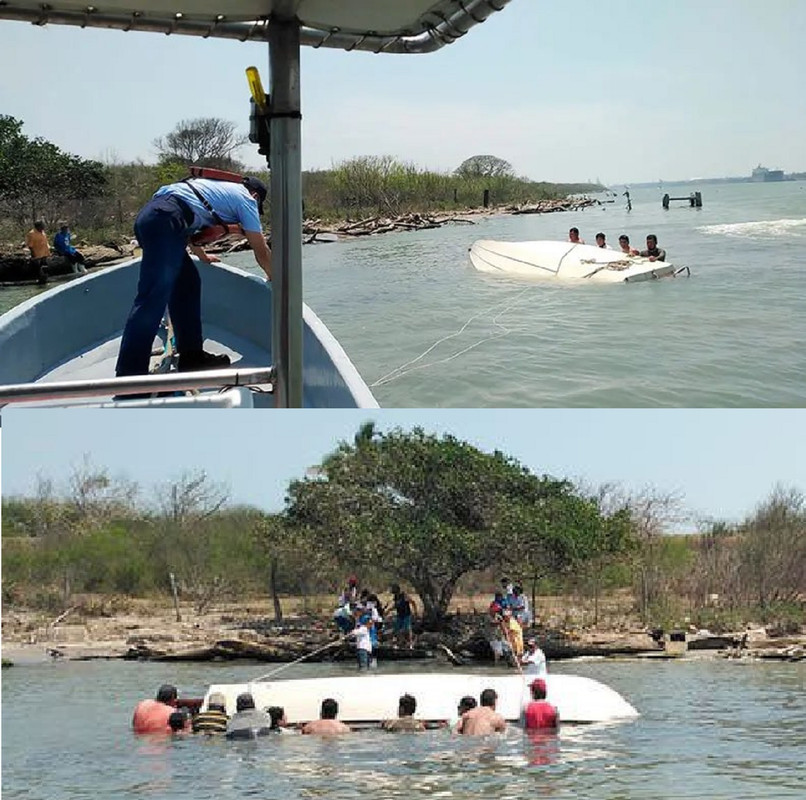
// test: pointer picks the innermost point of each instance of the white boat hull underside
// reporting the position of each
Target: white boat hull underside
(564, 261)
(371, 697)
(72, 333)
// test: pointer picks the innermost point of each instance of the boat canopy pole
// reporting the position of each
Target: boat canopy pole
(286, 210)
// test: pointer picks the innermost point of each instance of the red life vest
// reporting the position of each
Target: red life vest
(212, 233)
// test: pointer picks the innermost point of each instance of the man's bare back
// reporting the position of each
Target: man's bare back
(481, 721)
(325, 727)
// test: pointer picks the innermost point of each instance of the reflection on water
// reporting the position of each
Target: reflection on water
(707, 730)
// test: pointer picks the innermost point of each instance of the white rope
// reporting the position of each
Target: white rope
(405, 369)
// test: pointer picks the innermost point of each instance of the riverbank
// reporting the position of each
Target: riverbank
(152, 633)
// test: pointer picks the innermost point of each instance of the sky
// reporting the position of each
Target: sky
(722, 462)
(619, 91)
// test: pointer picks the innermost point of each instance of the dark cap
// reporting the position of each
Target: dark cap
(257, 185)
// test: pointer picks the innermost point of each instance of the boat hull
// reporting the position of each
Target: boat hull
(564, 261)
(72, 332)
(372, 697)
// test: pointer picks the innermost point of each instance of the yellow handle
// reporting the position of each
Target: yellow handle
(256, 87)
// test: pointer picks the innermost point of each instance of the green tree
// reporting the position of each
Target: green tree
(38, 180)
(485, 167)
(429, 509)
(208, 142)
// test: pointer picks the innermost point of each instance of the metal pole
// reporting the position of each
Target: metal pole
(286, 210)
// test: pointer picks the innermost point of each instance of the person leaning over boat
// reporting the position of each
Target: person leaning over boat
(168, 276)
(151, 716)
(327, 724)
(573, 236)
(483, 719)
(405, 721)
(601, 241)
(624, 244)
(214, 719)
(653, 252)
(36, 240)
(247, 722)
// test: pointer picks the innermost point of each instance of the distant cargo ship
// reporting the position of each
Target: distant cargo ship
(764, 175)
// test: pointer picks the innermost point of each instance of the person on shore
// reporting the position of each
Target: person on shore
(465, 704)
(653, 252)
(327, 724)
(513, 633)
(405, 720)
(404, 617)
(540, 715)
(63, 246)
(36, 240)
(168, 276)
(600, 240)
(520, 607)
(533, 660)
(247, 722)
(151, 716)
(363, 639)
(483, 719)
(624, 245)
(214, 719)
(573, 236)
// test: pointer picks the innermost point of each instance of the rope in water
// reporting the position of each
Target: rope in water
(408, 367)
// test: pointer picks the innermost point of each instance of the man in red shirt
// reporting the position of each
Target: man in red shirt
(540, 714)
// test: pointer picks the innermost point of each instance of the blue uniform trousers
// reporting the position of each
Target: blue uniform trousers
(168, 277)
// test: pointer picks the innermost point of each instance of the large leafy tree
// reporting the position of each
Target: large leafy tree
(208, 141)
(38, 180)
(485, 167)
(428, 509)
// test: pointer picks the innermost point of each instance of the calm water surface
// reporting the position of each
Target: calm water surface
(425, 329)
(707, 730)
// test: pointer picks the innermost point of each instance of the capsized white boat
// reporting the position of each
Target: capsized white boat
(377, 26)
(565, 261)
(371, 697)
(61, 346)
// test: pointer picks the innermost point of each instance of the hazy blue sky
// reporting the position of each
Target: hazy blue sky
(623, 90)
(724, 462)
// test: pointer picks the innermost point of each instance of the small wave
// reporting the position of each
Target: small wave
(765, 229)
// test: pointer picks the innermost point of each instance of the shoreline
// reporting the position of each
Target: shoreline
(243, 633)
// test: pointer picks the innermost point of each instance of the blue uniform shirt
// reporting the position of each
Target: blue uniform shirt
(231, 201)
(61, 243)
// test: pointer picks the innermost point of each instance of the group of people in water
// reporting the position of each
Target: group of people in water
(168, 715)
(652, 252)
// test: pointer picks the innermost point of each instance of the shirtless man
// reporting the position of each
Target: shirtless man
(652, 251)
(327, 724)
(483, 719)
(624, 244)
(573, 236)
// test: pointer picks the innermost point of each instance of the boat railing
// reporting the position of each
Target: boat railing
(138, 385)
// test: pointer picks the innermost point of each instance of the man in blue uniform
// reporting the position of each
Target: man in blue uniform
(168, 276)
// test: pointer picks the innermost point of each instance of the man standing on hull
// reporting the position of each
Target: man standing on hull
(168, 276)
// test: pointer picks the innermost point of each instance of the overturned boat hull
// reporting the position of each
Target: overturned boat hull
(565, 261)
(370, 698)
